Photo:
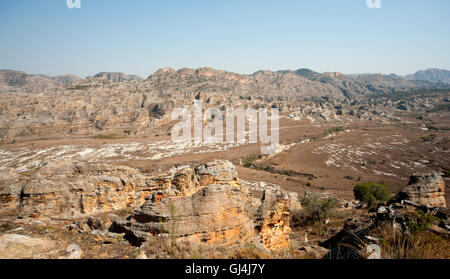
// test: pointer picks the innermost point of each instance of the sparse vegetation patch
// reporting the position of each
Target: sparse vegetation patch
(372, 193)
(107, 136)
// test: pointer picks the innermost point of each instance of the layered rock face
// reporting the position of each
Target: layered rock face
(64, 189)
(214, 214)
(205, 203)
(212, 207)
(426, 189)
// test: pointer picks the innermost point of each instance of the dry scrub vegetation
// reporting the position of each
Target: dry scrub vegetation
(424, 244)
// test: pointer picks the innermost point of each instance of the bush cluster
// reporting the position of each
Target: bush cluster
(372, 193)
(317, 208)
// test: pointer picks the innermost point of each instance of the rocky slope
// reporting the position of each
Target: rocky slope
(18, 81)
(206, 203)
(33, 106)
(302, 81)
(419, 209)
(366, 83)
(69, 209)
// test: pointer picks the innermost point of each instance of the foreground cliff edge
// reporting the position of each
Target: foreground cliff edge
(205, 204)
(66, 209)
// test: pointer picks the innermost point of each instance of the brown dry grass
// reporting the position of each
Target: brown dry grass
(396, 244)
(250, 251)
(164, 247)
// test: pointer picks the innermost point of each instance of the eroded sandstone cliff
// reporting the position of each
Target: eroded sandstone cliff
(205, 203)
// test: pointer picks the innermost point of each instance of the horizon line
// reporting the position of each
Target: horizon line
(216, 69)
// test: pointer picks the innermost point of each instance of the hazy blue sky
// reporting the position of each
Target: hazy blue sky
(140, 36)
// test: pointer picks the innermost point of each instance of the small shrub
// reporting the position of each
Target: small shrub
(332, 130)
(317, 208)
(422, 222)
(429, 138)
(267, 168)
(248, 160)
(371, 193)
(287, 172)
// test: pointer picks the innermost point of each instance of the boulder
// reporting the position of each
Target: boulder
(426, 189)
(65, 189)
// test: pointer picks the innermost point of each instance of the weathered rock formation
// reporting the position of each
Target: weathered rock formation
(64, 189)
(272, 219)
(209, 204)
(37, 106)
(427, 189)
(205, 203)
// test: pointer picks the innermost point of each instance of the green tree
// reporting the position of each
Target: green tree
(372, 193)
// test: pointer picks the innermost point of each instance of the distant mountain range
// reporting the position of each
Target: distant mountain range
(301, 81)
(431, 75)
(367, 83)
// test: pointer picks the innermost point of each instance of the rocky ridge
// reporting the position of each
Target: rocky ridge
(114, 103)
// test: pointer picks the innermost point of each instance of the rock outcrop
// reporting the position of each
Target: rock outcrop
(65, 189)
(214, 214)
(427, 189)
(272, 219)
(209, 204)
(205, 203)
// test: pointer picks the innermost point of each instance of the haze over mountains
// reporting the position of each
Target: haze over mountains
(302, 81)
(432, 75)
